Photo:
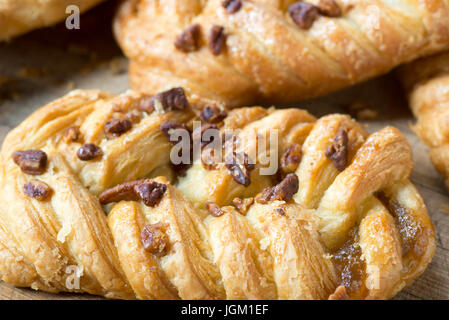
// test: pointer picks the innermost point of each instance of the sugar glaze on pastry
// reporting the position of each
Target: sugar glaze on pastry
(87, 181)
(243, 52)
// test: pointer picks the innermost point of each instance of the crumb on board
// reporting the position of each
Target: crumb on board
(361, 110)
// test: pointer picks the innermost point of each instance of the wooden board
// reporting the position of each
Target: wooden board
(46, 64)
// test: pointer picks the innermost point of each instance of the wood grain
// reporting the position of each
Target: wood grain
(96, 63)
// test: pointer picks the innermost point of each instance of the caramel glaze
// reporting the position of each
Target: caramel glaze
(350, 266)
(348, 261)
(413, 243)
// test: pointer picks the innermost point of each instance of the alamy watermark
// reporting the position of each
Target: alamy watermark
(73, 20)
(214, 147)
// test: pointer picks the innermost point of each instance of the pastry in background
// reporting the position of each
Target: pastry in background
(426, 82)
(241, 52)
(91, 186)
(20, 16)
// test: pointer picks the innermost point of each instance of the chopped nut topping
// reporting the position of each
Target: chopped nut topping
(338, 150)
(291, 158)
(212, 114)
(283, 191)
(239, 171)
(124, 191)
(303, 14)
(286, 188)
(146, 104)
(198, 133)
(89, 151)
(329, 8)
(147, 190)
(72, 134)
(265, 196)
(173, 99)
(189, 39)
(243, 205)
(113, 128)
(361, 110)
(217, 39)
(32, 162)
(280, 211)
(167, 128)
(232, 6)
(154, 239)
(214, 209)
(150, 192)
(339, 294)
(37, 189)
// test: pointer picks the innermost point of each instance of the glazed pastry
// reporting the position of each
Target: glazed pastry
(240, 52)
(426, 82)
(287, 207)
(20, 16)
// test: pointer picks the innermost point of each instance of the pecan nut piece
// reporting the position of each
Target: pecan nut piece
(291, 158)
(337, 152)
(303, 14)
(173, 99)
(114, 128)
(150, 192)
(154, 239)
(89, 151)
(189, 39)
(329, 8)
(124, 191)
(232, 6)
(213, 114)
(283, 191)
(147, 190)
(239, 166)
(37, 189)
(146, 104)
(217, 40)
(214, 209)
(168, 127)
(198, 134)
(243, 205)
(32, 162)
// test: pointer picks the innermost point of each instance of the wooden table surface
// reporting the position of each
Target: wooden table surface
(46, 64)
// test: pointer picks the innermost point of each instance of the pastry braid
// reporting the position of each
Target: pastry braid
(427, 84)
(88, 181)
(240, 52)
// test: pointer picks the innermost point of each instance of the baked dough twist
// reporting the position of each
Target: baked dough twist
(339, 216)
(241, 52)
(426, 82)
(20, 16)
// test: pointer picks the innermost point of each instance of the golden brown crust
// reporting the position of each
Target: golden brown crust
(20, 16)
(426, 82)
(362, 226)
(267, 57)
